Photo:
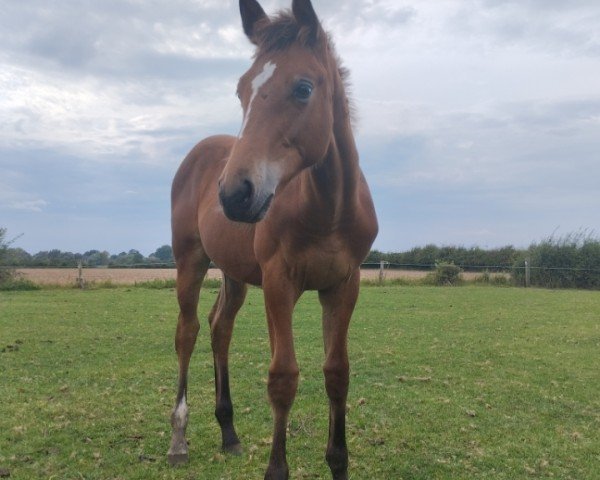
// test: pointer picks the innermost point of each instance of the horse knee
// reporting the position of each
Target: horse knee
(282, 388)
(337, 379)
(186, 334)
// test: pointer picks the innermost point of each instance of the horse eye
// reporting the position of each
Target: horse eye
(303, 91)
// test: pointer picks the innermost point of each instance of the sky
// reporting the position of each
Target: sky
(478, 121)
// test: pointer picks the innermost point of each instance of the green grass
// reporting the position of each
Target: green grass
(447, 383)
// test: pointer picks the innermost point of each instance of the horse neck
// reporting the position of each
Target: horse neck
(333, 181)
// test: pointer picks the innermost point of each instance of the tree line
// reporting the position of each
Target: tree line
(424, 258)
(416, 258)
(17, 257)
(570, 261)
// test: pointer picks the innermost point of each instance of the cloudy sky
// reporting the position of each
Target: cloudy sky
(478, 120)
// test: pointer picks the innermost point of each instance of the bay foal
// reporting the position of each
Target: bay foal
(283, 205)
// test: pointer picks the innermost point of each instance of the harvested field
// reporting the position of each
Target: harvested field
(120, 276)
(130, 276)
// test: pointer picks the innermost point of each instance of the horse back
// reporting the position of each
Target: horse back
(200, 166)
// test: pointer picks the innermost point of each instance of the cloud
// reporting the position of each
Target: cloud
(29, 205)
(474, 115)
(122, 39)
(505, 145)
(103, 118)
(14, 195)
(555, 27)
(359, 16)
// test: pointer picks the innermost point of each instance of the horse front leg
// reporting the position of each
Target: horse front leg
(338, 304)
(283, 372)
(190, 272)
(221, 320)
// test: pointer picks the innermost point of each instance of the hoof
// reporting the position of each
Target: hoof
(177, 458)
(235, 449)
(281, 473)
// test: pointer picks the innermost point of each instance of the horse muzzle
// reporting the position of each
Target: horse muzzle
(244, 203)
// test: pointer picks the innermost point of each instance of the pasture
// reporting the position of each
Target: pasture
(446, 383)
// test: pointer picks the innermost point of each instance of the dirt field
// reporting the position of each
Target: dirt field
(68, 276)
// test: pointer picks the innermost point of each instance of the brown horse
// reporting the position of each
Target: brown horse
(285, 206)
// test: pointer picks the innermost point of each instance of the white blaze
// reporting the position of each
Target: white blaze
(268, 176)
(262, 78)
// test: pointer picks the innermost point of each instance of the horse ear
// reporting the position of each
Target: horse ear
(306, 16)
(251, 13)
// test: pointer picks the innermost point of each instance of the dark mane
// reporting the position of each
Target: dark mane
(281, 31)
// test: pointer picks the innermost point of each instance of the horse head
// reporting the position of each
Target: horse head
(287, 99)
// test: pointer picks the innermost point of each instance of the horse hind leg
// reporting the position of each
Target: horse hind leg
(191, 269)
(221, 319)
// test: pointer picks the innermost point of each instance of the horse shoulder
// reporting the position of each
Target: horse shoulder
(365, 213)
(195, 177)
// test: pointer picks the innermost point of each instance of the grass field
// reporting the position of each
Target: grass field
(447, 383)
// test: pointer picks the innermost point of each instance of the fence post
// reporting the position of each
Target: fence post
(527, 274)
(80, 281)
(382, 264)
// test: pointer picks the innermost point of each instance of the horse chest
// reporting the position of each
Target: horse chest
(321, 265)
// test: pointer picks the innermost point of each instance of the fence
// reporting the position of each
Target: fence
(520, 275)
(525, 274)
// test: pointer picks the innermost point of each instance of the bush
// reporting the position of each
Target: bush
(572, 261)
(9, 279)
(17, 283)
(444, 274)
(7, 275)
(423, 258)
(495, 279)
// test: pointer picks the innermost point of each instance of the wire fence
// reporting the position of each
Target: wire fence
(499, 268)
(523, 273)
(367, 265)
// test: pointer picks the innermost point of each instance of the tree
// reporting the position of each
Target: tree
(3, 246)
(136, 257)
(133, 257)
(7, 274)
(375, 256)
(163, 254)
(17, 257)
(95, 258)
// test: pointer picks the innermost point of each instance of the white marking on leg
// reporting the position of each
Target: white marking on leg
(180, 416)
(262, 78)
(178, 451)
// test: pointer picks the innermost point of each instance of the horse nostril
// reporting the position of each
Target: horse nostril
(237, 203)
(245, 193)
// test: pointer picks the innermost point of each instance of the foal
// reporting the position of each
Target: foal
(283, 205)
